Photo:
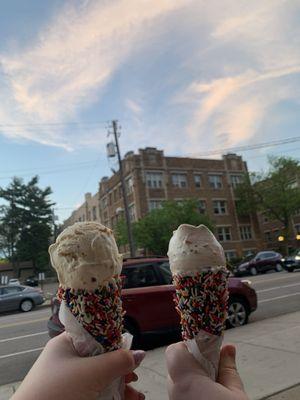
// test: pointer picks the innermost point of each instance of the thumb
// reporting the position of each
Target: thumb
(105, 368)
(228, 375)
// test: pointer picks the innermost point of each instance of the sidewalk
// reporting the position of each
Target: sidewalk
(268, 361)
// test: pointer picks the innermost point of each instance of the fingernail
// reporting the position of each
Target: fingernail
(231, 351)
(141, 396)
(138, 356)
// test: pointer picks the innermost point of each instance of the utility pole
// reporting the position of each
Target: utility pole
(127, 216)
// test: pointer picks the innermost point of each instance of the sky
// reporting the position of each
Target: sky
(186, 76)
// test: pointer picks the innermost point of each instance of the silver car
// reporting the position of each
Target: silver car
(20, 297)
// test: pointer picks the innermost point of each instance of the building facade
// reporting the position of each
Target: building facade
(151, 178)
(88, 211)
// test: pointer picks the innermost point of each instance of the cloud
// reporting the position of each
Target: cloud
(133, 106)
(209, 72)
(73, 59)
(262, 72)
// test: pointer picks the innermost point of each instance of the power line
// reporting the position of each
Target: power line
(49, 167)
(38, 124)
(248, 147)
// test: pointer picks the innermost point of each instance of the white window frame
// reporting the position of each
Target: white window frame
(179, 180)
(132, 215)
(129, 184)
(154, 204)
(229, 258)
(224, 234)
(235, 182)
(198, 181)
(154, 179)
(221, 210)
(244, 232)
(215, 181)
(203, 201)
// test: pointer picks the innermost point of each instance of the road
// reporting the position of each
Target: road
(22, 336)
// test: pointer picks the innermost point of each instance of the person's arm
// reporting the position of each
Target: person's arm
(60, 374)
(187, 380)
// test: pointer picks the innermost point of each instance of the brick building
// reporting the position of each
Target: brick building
(88, 211)
(151, 177)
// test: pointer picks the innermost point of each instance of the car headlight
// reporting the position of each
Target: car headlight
(297, 258)
(283, 259)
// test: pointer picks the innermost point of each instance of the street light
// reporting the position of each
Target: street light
(280, 238)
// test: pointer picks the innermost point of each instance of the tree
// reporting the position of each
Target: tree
(275, 193)
(154, 231)
(25, 224)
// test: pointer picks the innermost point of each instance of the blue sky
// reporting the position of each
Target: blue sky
(188, 76)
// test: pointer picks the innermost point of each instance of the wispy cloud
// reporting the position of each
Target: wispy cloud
(73, 59)
(240, 60)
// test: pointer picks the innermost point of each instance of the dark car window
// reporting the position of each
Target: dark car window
(11, 290)
(139, 276)
(166, 273)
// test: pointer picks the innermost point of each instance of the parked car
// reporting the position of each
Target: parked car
(19, 297)
(259, 263)
(32, 281)
(148, 294)
(292, 262)
(13, 282)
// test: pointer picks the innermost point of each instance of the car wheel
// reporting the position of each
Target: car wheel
(278, 267)
(290, 270)
(253, 271)
(132, 329)
(237, 312)
(26, 305)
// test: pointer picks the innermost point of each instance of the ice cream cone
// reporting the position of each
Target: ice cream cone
(200, 276)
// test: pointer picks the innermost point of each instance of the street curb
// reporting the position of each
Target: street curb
(269, 396)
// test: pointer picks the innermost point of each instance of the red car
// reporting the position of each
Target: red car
(148, 299)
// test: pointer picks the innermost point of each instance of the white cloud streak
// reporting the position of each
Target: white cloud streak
(73, 59)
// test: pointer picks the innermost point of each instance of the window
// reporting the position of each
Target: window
(179, 180)
(166, 273)
(224, 233)
(94, 213)
(249, 252)
(220, 207)
(268, 236)
(297, 229)
(246, 232)
(110, 199)
(11, 290)
(139, 276)
(115, 193)
(230, 255)
(129, 185)
(104, 202)
(154, 179)
(120, 192)
(215, 181)
(89, 215)
(235, 180)
(153, 204)
(132, 212)
(197, 181)
(202, 206)
(83, 218)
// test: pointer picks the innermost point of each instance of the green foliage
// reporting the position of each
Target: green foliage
(25, 222)
(276, 193)
(154, 231)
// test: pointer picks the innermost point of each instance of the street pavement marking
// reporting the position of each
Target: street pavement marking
(277, 287)
(32, 321)
(22, 337)
(278, 297)
(264, 280)
(21, 352)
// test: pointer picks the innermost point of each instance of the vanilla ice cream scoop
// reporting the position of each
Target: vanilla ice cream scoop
(85, 256)
(193, 249)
